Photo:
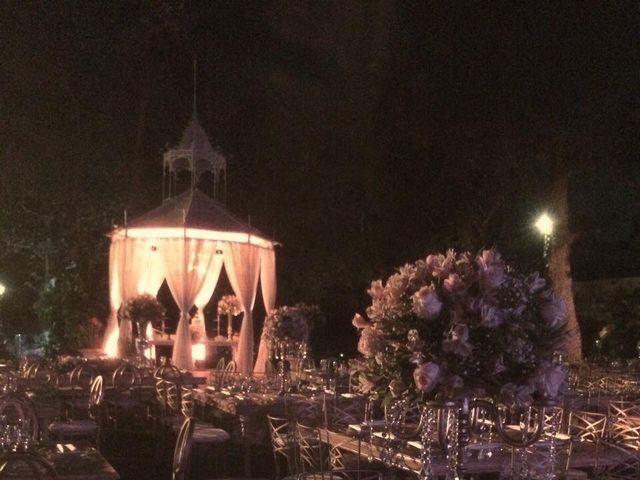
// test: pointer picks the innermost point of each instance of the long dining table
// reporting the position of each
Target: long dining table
(480, 459)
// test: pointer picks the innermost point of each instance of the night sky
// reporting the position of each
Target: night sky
(361, 135)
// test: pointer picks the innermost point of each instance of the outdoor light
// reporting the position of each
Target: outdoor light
(545, 224)
(2, 289)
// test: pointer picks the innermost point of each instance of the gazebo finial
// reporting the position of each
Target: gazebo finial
(194, 154)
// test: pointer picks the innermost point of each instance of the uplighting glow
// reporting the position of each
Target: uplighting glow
(199, 352)
(111, 345)
(544, 224)
(150, 352)
(174, 232)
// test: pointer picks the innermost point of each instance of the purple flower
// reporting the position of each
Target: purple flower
(552, 309)
(491, 316)
(491, 269)
(426, 376)
(551, 380)
(371, 341)
(535, 282)
(426, 302)
(519, 395)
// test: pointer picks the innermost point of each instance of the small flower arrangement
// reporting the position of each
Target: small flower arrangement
(290, 323)
(144, 307)
(453, 325)
(229, 305)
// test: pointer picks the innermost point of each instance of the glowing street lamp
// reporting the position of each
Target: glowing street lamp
(544, 224)
(2, 289)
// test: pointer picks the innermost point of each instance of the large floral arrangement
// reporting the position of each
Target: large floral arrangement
(144, 307)
(290, 323)
(453, 325)
(229, 305)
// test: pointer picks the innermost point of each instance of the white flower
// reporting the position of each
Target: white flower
(426, 376)
(426, 302)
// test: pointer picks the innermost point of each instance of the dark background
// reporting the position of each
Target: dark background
(361, 135)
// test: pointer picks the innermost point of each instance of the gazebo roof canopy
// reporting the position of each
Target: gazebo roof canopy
(194, 214)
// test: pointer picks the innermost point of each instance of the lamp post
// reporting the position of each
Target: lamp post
(544, 224)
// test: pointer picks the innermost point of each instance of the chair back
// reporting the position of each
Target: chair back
(624, 423)
(282, 443)
(228, 373)
(182, 451)
(186, 402)
(82, 376)
(126, 377)
(25, 466)
(168, 396)
(96, 394)
(309, 448)
(168, 372)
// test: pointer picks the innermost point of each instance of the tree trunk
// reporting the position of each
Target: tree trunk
(559, 258)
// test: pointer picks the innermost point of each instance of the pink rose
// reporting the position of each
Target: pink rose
(371, 341)
(440, 266)
(454, 284)
(426, 376)
(551, 380)
(358, 321)
(376, 290)
(395, 287)
(426, 302)
(552, 309)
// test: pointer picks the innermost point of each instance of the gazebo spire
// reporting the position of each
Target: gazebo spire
(196, 155)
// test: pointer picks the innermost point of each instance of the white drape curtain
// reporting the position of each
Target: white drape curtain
(209, 281)
(112, 331)
(186, 262)
(134, 268)
(242, 264)
(268, 286)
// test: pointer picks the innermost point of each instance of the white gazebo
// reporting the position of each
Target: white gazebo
(186, 241)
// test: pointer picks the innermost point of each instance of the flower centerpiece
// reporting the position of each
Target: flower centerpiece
(453, 326)
(290, 324)
(143, 308)
(140, 310)
(228, 306)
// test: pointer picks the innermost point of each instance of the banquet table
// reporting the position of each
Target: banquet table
(584, 456)
(78, 462)
(245, 413)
